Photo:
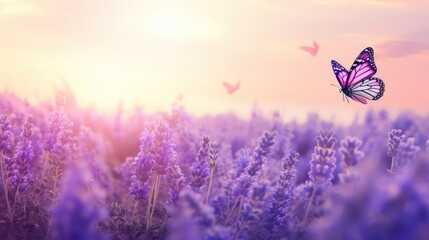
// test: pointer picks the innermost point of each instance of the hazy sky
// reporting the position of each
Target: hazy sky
(149, 52)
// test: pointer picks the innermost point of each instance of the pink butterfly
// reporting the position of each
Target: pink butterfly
(312, 50)
(358, 83)
(231, 89)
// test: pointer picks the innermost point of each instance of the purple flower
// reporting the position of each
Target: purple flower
(310, 195)
(407, 151)
(200, 167)
(395, 138)
(156, 152)
(284, 187)
(163, 147)
(374, 208)
(5, 134)
(351, 155)
(242, 162)
(20, 164)
(176, 181)
(143, 164)
(76, 215)
(260, 154)
(90, 149)
(126, 172)
(283, 138)
(242, 186)
(191, 219)
(58, 136)
(322, 162)
(349, 150)
(213, 156)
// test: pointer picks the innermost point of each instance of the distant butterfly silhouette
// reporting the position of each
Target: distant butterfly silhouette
(312, 50)
(231, 89)
(358, 83)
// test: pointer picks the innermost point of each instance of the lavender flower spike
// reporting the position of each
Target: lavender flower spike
(350, 152)
(322, 162)
(351, 156)
(5, 134)
(75, 216)
(164, 147)
(395, 138)
(407, 151)
(283, 189)
(20, 165)
(200, 167)
(176, 181)
(191, 219)
(143, 164)
(260, 154)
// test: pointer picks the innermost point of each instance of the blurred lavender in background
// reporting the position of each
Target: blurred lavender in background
(79, 174)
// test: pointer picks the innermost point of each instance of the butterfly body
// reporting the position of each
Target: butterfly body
(348, 92)
(358, 83)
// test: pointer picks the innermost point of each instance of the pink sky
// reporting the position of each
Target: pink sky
(149, 52)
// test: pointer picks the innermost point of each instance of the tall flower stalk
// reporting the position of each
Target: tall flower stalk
(351, 156)
(213, 155)
(283, 189)
(395, 137)
(200, 167)
(251, 174)
(407, 152)
(20, 165)
(57, 141)
(322, 167)
(5, 147)
(156, 153)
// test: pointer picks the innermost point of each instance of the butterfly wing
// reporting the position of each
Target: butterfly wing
(371, 89)
(228, 86)
(315, 45)
(307, 49)
(340, 72)
(311, 50)
(363, 67)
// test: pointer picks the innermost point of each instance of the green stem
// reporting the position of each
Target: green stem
(16, 192)
(238, 216)
(54, 196)
(155, 197)
(149, 201)
(210, 185)
(233, 209)
(39, 182)
(310, 202)
(392, 164)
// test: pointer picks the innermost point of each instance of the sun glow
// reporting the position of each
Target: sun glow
(182, 23)
(169, 25)
(103, 81)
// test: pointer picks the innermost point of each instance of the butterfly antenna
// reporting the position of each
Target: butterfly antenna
(335, 86)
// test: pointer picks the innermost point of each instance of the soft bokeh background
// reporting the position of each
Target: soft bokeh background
(150, 52)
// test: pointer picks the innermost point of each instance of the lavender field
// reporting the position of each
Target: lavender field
(68, 173)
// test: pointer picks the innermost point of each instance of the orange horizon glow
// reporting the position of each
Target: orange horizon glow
(149, 53)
